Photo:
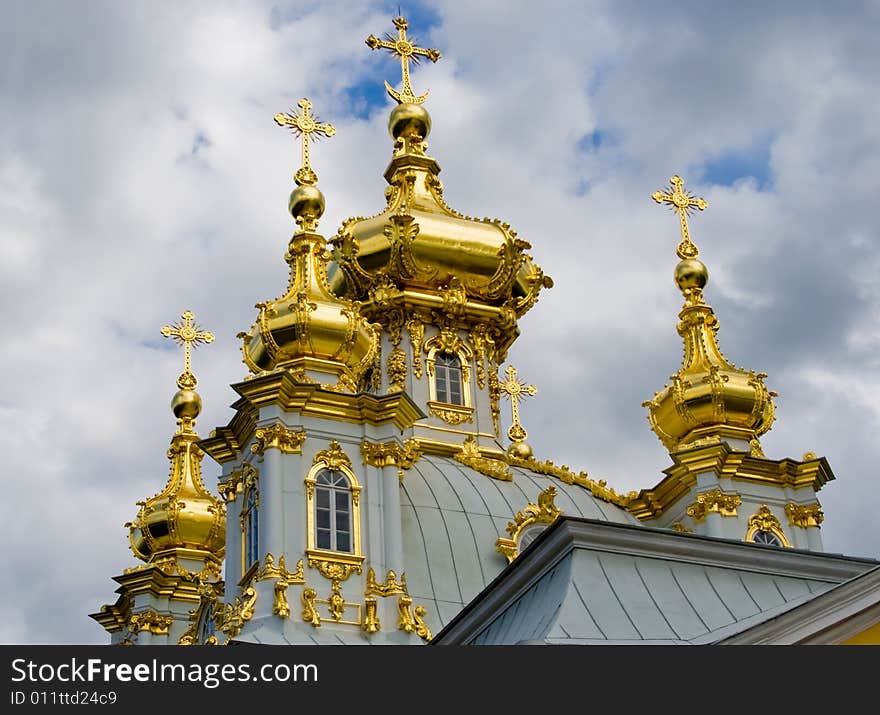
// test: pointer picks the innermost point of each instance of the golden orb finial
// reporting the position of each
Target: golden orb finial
(306, 202)
(405, 48)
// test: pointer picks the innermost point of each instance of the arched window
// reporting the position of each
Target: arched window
(333, 511)
(766, 537)
(764, 528)
(249, 527)
(333, 517)
(447, 379)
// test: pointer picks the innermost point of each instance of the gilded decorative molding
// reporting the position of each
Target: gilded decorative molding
(714, 501)
(269, 570)
(451, 414)
(422, 630)
(390, 587)
(470, 456)
(149, 620)
(333, 457)
(336, 567)
(310, 611)
(279, 437)
(371, 618)
(804, 515)
(495, 397)
(383, 454)
(396, 370)
(238, 482)
(598, 488)
(680, 528)
(544, 512)
(280, 606)
(233, 616)
(412, 621)
(416, 330)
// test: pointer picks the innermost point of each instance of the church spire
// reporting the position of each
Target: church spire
(709, 397)
(183, 522)
(310, 331)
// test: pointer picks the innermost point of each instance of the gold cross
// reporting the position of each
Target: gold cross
(405, 48)
(516, 390)
(681, 202)
(187, 333)
(308, 127)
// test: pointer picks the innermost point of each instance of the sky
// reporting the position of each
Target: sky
(141, 174)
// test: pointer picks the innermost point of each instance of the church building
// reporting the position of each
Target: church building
(363, 491)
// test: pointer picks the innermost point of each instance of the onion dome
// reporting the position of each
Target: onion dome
(308, 330)
(184, 519)
(420, 246)
(708, 397)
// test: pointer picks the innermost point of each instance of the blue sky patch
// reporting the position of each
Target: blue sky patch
(739, 164)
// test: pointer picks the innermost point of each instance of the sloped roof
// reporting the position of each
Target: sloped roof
(452, 517)
(586, 582)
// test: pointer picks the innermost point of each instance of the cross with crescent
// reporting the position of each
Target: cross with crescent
(405, 48)
(516, 390)
(188, 334)
(682, 202)
(308, 127)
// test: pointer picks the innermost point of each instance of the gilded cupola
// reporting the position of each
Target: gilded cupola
(309, 330)
(708, 397)
(184, 520)
(418, 252)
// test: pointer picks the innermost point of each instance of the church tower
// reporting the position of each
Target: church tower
(179, 534)
(710, 419)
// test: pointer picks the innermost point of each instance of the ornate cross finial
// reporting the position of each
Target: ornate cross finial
(405, 48)
(516, 390)
(308, 127)
(681, 202)
(188, 334)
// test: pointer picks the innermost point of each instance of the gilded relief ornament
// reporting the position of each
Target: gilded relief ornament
(279, 437)
(396, 370)
(713, 501)
(804, 515)
(544, 512)
(470, 456)
(310, 612)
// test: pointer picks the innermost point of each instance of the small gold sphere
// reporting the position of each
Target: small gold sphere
(520, 450)
(691, 273)
(186, 404)
(306, 200)
(409, 119)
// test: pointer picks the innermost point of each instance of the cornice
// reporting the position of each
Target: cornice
(726, 463)
(308, 399)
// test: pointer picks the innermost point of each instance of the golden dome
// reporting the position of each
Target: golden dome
(308, 330)
(708, 397)
(419, 245)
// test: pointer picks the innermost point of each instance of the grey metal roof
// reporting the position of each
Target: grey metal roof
(452, 516)
(589, 582)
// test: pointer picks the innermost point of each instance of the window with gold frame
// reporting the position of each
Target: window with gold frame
(250, 523)
(333, 520)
